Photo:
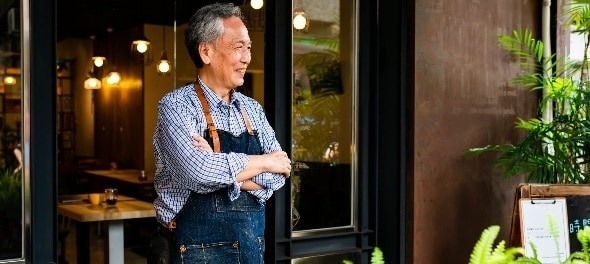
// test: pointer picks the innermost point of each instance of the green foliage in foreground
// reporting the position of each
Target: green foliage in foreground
(484, 251)
(376, 257)
(10, 188)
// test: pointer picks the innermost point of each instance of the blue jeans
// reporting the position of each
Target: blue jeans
(212, 229)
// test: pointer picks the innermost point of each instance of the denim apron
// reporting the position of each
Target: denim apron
(212, 229)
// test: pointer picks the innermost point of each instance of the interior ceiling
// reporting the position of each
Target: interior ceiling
(84, 18)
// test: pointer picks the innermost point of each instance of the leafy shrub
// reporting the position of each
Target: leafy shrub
(10, 188)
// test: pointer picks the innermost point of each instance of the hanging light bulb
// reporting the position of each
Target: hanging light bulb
(299, 21)
(256, 4)
(164, 64)
(9, 80)
(141, 44)
(92, 83)
(98, 61)
(113, 78)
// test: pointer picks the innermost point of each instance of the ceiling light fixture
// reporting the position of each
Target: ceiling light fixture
(9, 80)
(97, 60)
(253, 17)
(92, 83)
(256, 4)
(299, 21)
(140, 45)
(163, 65)
(113, 77)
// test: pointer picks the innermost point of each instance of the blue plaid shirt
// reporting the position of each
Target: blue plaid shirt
(182, 168)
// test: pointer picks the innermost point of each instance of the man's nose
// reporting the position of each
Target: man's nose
(246, 57)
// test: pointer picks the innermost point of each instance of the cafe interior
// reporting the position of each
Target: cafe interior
(115, 59)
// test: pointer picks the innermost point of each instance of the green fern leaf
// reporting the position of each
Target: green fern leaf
(377, 256)
(483, 248)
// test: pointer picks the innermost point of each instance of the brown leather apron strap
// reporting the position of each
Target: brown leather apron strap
(246, 120)
(210, 125)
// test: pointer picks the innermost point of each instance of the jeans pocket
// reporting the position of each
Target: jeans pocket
(221, 252)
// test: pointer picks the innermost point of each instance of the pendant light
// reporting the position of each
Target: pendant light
(92, 83)
(299, 20)
(256, 4)
(141, 45)
(114, 77)
(163, 65)
(97, 60)
(9, 80)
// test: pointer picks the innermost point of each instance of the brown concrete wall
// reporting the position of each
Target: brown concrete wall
(463, 99)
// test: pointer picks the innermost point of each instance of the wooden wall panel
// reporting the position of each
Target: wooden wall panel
(119, 109)
(464, 99)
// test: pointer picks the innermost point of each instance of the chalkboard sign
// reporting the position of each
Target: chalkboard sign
(578, 213)
(577, 199)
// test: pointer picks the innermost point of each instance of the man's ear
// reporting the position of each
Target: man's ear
(205, 52)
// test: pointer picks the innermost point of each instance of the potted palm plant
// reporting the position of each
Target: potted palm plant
(556, 149)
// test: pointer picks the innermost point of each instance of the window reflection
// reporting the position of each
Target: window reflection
(322, 118)
(11, 205)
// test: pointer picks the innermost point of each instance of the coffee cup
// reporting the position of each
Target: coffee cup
(94, 198)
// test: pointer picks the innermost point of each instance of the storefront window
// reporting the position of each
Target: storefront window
(323, 118)
(11, 202)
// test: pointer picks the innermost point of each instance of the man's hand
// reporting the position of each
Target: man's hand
(201, 143)
(274, 162)
(278, 162)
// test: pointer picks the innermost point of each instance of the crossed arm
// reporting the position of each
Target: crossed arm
(273, 162)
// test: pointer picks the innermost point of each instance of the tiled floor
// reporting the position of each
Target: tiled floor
(97, 236)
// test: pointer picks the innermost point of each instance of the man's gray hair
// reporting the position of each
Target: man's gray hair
(206, 26)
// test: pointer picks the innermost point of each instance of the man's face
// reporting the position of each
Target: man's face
(232, 53)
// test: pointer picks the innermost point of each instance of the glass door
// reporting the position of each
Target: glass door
(323, 193)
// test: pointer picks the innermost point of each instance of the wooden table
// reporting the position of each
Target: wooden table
(77, 208)
(127, 181)
(129, 176)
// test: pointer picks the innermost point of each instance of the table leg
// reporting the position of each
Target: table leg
(82, 242)
(115, 246)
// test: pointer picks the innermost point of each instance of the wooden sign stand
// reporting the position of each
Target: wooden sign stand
(578, 195)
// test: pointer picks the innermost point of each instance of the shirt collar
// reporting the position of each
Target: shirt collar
(212, 97)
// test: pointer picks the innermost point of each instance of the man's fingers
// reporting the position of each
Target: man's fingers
(201, 143)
